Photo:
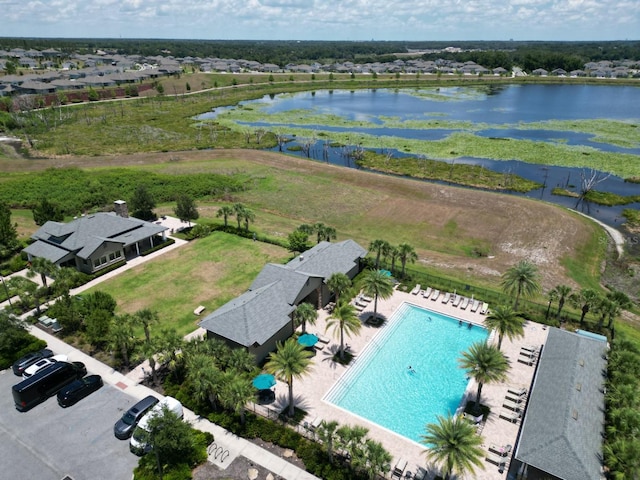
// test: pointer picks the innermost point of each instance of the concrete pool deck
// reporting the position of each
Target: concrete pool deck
(309, 391)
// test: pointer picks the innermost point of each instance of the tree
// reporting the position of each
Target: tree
(327, 434)
(485, 364)
(169, 343)
(552, 295)
(225, 211)
(147, 351)
(205, 377)
(290, 360)
(378, 246)
(142, 204)
(453, 444)
(46, 211)
(351, 440)
(236, 392)
(145, 318)
(393, 253)
(298, 241)
(376, 284)
(506, 322)
(10, 67)
(338, 283)
(121, 337)
(585, 299)
(344, 319)
(186, 209)
(376, 460)
(406, 253)
(239, 209)
(562, 292)
(248, 215)
(8, 231)
(96, 325)
(522, 280)
(43, 266)
(304, 314)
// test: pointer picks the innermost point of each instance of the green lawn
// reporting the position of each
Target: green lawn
(209, 271)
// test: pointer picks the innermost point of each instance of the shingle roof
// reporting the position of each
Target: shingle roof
(564, 422)
(253, 317)
(327, 258)
(293, 282)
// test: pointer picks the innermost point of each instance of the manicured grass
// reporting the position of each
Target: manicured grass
(209, 271)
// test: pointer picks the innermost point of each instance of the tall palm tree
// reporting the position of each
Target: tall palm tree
(585, 300)
(319, 228)
(225, 212)
(344, 319)
(290, 360)
(304, 314)
(236, 392)
(330, 233)
(338, 283)
(522, 280)
(241, 361)
(239, 209)
(327, 434)
(376, 284)
(147, 351)
(552, 295)
(563, 292)
(248, 215)
(121, 337)
(486, 364)
(378, 246)
(506, 322)
(376, 460)
(205, 378)
(145, 318)
(42, 266)
(406, 253)
(351, 440)
(393, 253)
(454, 445)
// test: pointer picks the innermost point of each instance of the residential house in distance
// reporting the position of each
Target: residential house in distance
(92, 242)
(262, 316)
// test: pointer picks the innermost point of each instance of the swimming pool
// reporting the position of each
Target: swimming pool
(381, 388)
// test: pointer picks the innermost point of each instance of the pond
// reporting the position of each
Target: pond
(571, 116)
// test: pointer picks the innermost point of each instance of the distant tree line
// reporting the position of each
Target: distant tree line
(490, 54)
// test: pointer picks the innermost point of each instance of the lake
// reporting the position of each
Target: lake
(536, 113)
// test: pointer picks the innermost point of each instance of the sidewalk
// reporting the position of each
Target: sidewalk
(227, 446)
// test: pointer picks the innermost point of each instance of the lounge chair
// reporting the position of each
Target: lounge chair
(416, 289)
(515, 398)
(501, 450)
(362, 304)
(399, 469)
(359, 308)
(510, 416)
(366, 299)
(519, 392)
(446, 297)
(475, 305)
(485, 308)
(435, 295)
(529, 348)
(531, 361)
(528, 353)
(322, 338)
(456, 300)
(516, 407)
(427, 292)
(319, 346)
(465, 303)
(495, 459)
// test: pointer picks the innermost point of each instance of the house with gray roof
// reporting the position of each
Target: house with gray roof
(93, 242)
(563, 427)
(263, 315)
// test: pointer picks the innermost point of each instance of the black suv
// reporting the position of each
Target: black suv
(127, 424)
(29, 359)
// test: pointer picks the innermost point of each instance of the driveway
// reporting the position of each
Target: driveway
(49, 442)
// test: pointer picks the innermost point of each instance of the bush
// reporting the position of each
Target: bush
(21, 343)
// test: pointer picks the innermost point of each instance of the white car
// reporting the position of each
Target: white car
(43, 363)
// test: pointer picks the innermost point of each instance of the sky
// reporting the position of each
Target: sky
(414, 20)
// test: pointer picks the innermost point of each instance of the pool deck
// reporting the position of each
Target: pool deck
(309, 391)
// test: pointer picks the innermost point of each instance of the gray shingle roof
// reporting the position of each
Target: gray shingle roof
(561, 432)
(327, 258)
(253, 317)
(293, 282)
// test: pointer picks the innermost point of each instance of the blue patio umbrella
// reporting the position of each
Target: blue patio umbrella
(264, 381)
(308, 340)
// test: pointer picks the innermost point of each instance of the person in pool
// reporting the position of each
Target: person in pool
(411, 370)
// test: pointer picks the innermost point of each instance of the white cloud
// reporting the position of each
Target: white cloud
(326, 19)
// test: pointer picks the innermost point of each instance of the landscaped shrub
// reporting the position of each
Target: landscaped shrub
(166, 243)
(21, 343)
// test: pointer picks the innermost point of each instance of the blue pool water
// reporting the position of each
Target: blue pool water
(380, 387)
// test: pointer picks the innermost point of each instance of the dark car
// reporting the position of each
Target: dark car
(127, 424)
(29, 359)
(78, 389)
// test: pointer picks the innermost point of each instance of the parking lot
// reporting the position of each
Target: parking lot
(49, 442)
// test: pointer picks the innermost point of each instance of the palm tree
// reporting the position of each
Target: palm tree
(121, 337)
(241, 361)
(585, 299)
(169, 344)
(290, 360)
(248, 215)
(238, 209)
(327, 434)
(506, 322)
(147, 351)
(205, 378)
(378, 246)
(406, 253)
(351, 440)
(393, 253)
(330, 234)
(338, 283)
(344, 319)
(145, 318)
(42, 266)
(522, 280)
(563, 292)
(304, 314)
(376, 284)
(236, 392)
(552, 295)
(225, 212)
(486, 364)
(376, 460)
(454, 445)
